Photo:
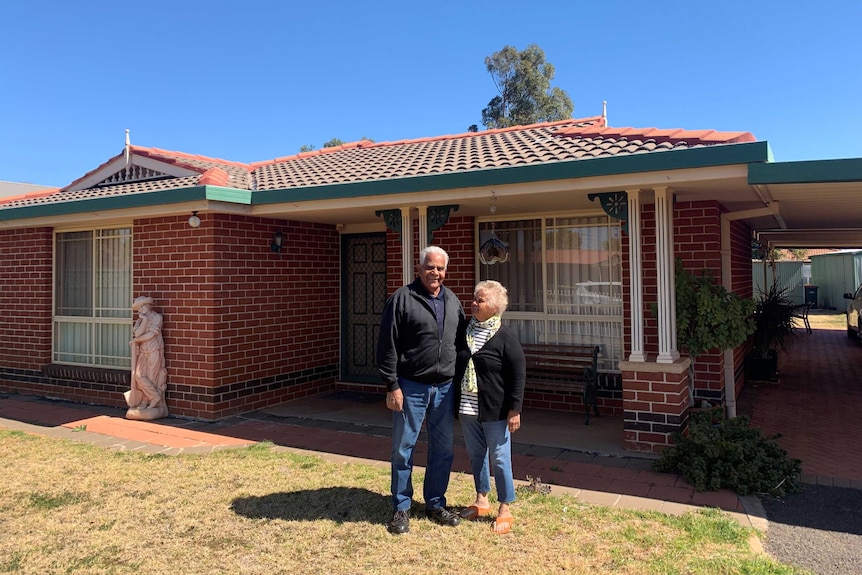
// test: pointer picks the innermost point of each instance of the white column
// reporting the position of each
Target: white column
(727, 282)
(423, 227)
(635, 277)
(408, 266)
(667, 351)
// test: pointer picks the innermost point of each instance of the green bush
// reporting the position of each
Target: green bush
(720, 453)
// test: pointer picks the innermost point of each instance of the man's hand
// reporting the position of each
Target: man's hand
(395, 400)
(514, 421)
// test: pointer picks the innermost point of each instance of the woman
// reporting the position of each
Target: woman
(491, 371)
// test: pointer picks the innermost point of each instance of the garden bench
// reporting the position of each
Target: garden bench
(566, 367)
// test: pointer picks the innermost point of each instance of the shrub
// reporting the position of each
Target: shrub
(719, 453)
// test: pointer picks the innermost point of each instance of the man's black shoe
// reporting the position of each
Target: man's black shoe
(400, 523)
(443, 516)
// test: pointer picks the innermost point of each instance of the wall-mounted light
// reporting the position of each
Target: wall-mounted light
(194, 220)
(277, 242)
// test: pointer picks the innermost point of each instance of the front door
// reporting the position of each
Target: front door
(364, 287)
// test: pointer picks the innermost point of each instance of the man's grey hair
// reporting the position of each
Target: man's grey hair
(436, 250)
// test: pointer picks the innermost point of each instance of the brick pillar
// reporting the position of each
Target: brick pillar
(655, 400)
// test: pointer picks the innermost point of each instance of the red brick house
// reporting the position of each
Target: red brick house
(274, 292)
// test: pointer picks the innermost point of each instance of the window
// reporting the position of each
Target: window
(92, 297)
(564, 277)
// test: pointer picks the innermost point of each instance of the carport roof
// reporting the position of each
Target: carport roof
(818, 203)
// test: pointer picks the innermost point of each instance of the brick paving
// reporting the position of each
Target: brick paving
(815, 406)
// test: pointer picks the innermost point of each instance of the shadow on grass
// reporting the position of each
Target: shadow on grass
(332, 503)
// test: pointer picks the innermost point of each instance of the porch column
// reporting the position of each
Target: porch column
(407, 264)
(423, 227)
(635, 277)
(667, 351)
(727, 282)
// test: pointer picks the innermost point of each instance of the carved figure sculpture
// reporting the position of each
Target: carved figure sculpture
(146, 398)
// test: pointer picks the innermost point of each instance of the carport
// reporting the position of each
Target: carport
(816, 405)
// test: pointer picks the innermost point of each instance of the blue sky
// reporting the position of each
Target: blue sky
(254, 80)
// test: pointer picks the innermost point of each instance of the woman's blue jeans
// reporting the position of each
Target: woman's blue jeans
(482, 438)
(433, 404)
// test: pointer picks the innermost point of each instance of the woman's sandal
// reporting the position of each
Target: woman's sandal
(502, 525)
(473, 512)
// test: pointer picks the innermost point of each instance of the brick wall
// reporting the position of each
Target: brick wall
(244, 327)
(25, 299)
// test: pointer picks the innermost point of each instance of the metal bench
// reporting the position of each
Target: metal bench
(564, 367)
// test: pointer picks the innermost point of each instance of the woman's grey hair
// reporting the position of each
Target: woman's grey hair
(437, 250)
(496, 295)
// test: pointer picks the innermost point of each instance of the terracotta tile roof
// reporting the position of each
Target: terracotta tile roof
(560, 141)
(673, 136)
(32, 197)
(100, 192)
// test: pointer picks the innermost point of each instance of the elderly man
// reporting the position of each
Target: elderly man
(416, 360)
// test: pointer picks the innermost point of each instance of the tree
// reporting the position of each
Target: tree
(523, 80)
(334, 142)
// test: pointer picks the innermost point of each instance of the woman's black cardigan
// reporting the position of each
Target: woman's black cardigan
(501, 374)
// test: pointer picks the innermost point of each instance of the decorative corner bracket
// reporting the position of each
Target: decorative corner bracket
(392, 218)
(437, 218)
(614, 204)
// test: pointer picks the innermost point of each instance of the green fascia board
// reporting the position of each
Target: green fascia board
(806, 172)
(229, 195)
(157, 198)
(707, 156)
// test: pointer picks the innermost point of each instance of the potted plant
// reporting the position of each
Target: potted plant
(773, 330)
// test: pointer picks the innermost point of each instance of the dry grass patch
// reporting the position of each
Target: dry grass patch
(825, 319)
(75, 508)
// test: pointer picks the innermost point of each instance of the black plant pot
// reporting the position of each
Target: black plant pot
(762, 368)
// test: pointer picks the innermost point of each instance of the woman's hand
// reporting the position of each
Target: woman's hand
(514, 421)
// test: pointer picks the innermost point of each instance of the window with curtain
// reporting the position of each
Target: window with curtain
(93, 297)
(564, 277)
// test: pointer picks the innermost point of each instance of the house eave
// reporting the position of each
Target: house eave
(127, 202)
(806, 172)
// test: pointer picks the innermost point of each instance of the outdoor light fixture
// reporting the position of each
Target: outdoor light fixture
(277, 241)
(194, 220)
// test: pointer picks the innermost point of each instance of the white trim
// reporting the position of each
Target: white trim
(407, 265)
(665, 282)
(118, 164)
(636, 313)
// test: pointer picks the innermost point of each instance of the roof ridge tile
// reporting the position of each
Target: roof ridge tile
(674, 135)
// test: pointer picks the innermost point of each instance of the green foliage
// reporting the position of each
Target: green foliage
(730, 454)
(773, 320)
(332, 143)
(708, 316)
(523, 80)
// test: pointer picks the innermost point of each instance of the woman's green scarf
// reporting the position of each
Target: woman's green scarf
(492, 324)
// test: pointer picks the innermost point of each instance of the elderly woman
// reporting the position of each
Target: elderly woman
(491, 371)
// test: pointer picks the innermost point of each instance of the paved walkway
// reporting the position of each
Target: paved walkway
(626, 482)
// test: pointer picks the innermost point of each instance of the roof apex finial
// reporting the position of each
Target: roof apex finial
(127, 149)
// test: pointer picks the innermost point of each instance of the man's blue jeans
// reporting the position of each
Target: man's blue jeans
(482, 438)
(434, 404)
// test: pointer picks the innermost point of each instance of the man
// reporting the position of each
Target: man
(416, 359)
